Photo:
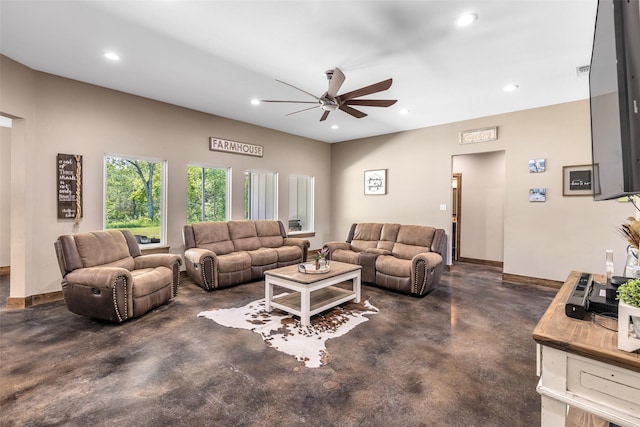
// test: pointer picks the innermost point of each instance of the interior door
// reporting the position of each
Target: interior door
(456, 215)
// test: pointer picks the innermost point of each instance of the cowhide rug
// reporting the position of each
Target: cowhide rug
(284, 332)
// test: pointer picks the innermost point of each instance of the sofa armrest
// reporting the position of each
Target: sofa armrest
(202, 267)
(99, 277)
(158, 260)
(426, 270)
(439, 243)
(301, 243)
(100, 292)
(333, 246)
(171, 261)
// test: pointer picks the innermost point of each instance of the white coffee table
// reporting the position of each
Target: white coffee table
(313, 293)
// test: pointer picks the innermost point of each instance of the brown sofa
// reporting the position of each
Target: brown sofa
(105, 276)
(403, 258)
(222, 254)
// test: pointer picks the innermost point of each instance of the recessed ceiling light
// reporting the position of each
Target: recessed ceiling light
(404, 111)
(255, 102)
(466, 19)
(510, 88)
(112, 56)
(334, 127)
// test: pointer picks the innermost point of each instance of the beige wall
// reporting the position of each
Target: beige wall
(57, 115)
(5, 195)
(543, 240)
(67, 116)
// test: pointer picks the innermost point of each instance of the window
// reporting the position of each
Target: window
(207, 194)
(300, 203)
(260, 195)
(134, 197)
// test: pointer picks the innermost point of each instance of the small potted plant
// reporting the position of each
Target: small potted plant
(629, 296)
(631, 233)
(321, 258)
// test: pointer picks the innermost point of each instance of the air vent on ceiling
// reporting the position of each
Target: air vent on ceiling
(583, 70)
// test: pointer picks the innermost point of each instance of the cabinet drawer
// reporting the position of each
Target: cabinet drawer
(606, 384)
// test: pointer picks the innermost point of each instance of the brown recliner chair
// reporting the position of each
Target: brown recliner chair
(105, 276)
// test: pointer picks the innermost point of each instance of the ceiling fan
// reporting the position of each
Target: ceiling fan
(331, 101)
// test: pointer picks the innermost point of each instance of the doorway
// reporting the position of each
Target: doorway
(5, 194)
(479, 236)
(456, 215)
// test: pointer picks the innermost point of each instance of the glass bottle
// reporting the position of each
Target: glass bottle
(609, 265)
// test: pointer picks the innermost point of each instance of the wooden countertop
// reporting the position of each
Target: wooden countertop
(582, 337)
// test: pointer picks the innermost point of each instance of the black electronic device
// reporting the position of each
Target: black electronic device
(614, 93)
(577, 305)
(602, 299)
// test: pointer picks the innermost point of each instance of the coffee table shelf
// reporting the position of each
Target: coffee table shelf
(313, 293)
(320, 301)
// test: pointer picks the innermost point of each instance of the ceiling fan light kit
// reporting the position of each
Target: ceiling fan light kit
(331, 101)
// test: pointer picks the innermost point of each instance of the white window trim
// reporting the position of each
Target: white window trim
(164, 168)
(228, 188)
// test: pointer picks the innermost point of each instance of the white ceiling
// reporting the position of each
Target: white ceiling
(216, 56)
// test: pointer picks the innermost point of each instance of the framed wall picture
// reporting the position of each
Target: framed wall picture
(375, 181)
(537, 165)
(537, 194)
(577, 180)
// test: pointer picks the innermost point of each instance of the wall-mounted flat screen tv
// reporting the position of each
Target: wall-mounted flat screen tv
(614, 85)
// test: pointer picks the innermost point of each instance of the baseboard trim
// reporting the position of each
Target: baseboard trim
(526, 280)
(482, 262)
(514, 278)
(33, 300)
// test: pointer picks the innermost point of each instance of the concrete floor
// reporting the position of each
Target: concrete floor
(461, 356)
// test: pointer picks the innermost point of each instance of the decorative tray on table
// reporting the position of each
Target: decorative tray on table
(310, 268)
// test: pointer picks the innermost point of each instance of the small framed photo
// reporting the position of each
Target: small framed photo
(537, 165)
(537, 194)
(375, 181)
(577, 180)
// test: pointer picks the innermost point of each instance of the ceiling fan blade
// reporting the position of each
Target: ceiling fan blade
(300, 111)
(355, 113)
(294, 102)
(336, 81)
(372, 102)
(324, 116)
(367, 90)
(297, 88)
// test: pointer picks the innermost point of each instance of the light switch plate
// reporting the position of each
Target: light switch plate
(443, 207)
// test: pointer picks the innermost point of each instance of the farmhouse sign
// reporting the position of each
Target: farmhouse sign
(479, 135)
(217, 144)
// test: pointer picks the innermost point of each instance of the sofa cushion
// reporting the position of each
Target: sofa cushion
(213, 236)
(366, 236)
(389, 232)
(378, 251)
(103, 247)
(128, 263)
(392, 266)
(289, 253)
(243, 235)
(149, 280)
(367, 231)
(263, 256)
(388, 236)
(412, 240)
(345, 255)
(235, 261)
(269, 233)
